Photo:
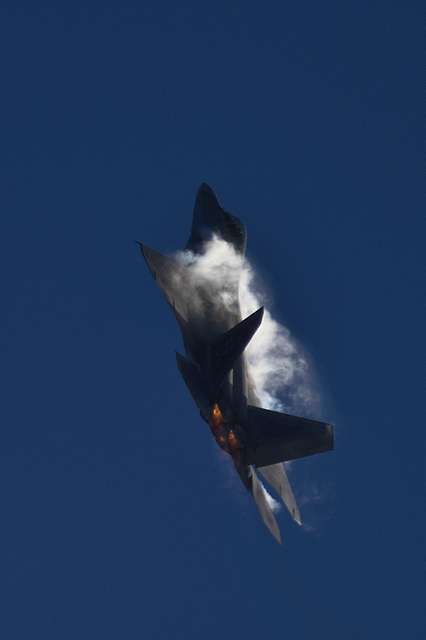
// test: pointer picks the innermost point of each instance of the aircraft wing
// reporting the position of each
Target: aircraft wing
(170, 276)
(274, 437)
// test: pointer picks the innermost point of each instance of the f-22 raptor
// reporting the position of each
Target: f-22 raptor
(215, 369)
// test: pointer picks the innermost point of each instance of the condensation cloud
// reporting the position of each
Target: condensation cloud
(273, 504)
(277, 365)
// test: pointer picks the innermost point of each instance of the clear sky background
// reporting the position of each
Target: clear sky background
(119, 519)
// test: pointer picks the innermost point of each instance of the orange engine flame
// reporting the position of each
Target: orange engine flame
(233, 443)
(216, 416)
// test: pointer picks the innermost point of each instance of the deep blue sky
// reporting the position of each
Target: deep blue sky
(118, 517)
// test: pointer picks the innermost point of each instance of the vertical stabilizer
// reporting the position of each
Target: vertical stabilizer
(264, 509)
(276, 476)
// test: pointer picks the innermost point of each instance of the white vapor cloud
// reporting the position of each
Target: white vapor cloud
(277, 366)
(272, 503)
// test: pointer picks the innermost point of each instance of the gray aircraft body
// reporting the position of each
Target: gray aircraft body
(215, 338)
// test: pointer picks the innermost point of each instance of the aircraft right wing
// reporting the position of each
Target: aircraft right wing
(170, 276)
(274, 437)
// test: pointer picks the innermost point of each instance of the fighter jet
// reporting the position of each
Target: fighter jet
(215, 371)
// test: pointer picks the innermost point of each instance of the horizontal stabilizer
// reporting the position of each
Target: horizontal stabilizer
(225, 349)
(276, 476)
(274, 437)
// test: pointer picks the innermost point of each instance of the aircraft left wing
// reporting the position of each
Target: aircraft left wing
(170, 276)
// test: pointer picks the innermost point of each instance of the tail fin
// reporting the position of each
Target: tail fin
(276, 476)
(225, 350)
(266, 513)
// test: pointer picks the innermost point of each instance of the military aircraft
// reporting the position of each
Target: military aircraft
(215, 369)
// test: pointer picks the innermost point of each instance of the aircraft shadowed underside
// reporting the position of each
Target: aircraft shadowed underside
(214, 369)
